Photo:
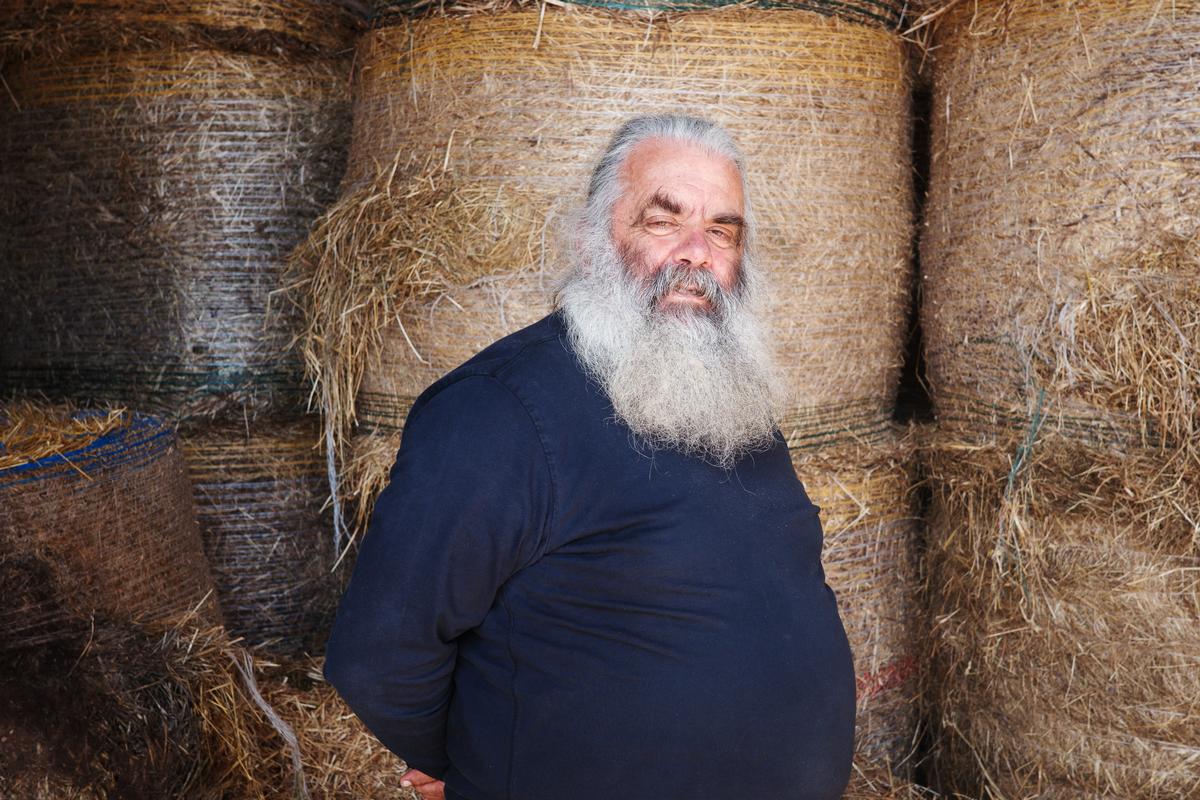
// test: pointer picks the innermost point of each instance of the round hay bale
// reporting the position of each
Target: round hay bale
(28, 26)
(1060, 257)
(1065, 581)
(473, 135)
(882, 13)
(259, 497)
(870, 560)
(95, 517)
(440, 335)
(149, 200)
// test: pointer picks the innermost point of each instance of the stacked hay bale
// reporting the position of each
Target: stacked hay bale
(160, 162)
(258, 499)
(474, 131)
(96, 517)
(159, 167)
(1061, 318)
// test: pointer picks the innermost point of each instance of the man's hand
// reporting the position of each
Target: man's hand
(429, 788)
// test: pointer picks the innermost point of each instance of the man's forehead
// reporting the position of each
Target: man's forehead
(665, 169)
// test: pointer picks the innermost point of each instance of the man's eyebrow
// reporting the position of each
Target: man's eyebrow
(730, 219)
(664, 201)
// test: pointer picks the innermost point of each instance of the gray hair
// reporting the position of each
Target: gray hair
(605, 188)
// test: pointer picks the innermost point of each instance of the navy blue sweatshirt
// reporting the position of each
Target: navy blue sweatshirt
(541, 610)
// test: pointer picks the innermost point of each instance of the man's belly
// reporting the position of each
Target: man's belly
(668, 702)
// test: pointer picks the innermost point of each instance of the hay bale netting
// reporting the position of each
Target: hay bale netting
(259, 497)
(1065, 581)
(498, 117)
(96, 516)
(870, 559)
(883, 13)
(1060, 259)
(149, 197)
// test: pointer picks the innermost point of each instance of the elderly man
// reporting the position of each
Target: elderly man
(594, 573)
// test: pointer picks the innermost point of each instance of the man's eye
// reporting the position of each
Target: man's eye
(660, 225)
(721, 235)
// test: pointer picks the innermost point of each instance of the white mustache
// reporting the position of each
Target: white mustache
(677, 277)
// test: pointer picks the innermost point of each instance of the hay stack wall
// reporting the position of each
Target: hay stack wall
(96, 517)
(1062, 330)
(159, 165)
(259, 498)
(1067, 592)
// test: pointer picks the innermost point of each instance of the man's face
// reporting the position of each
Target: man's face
(683, 208)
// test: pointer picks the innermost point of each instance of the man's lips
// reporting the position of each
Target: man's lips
(689, 295)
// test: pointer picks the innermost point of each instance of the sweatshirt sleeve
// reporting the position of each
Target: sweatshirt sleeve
(467, 506)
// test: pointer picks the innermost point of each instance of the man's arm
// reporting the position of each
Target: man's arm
(467, 506)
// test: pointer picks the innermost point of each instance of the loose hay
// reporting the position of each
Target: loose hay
(375, 261)
(1061, 262)
(1065, 579)
(259, 497)
(498, 118)
(95, 516)
(870, 560)
(883, 786)
(150, 197)
(185, 712)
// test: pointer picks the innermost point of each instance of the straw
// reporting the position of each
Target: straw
(30, 432)
(95, 516)
(150, 197)
(1065, 579)
(870, 561)
(259, 496)
(182, 711)
(1061, 251)
(884, 786)
(265, 26)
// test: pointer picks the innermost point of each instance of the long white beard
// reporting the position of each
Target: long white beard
(700, 383)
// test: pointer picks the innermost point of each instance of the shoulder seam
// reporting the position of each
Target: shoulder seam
(547, 524)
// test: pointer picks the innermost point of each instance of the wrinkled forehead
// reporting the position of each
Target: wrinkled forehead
(685, 170)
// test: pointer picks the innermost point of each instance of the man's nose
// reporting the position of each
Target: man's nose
(693, 249)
